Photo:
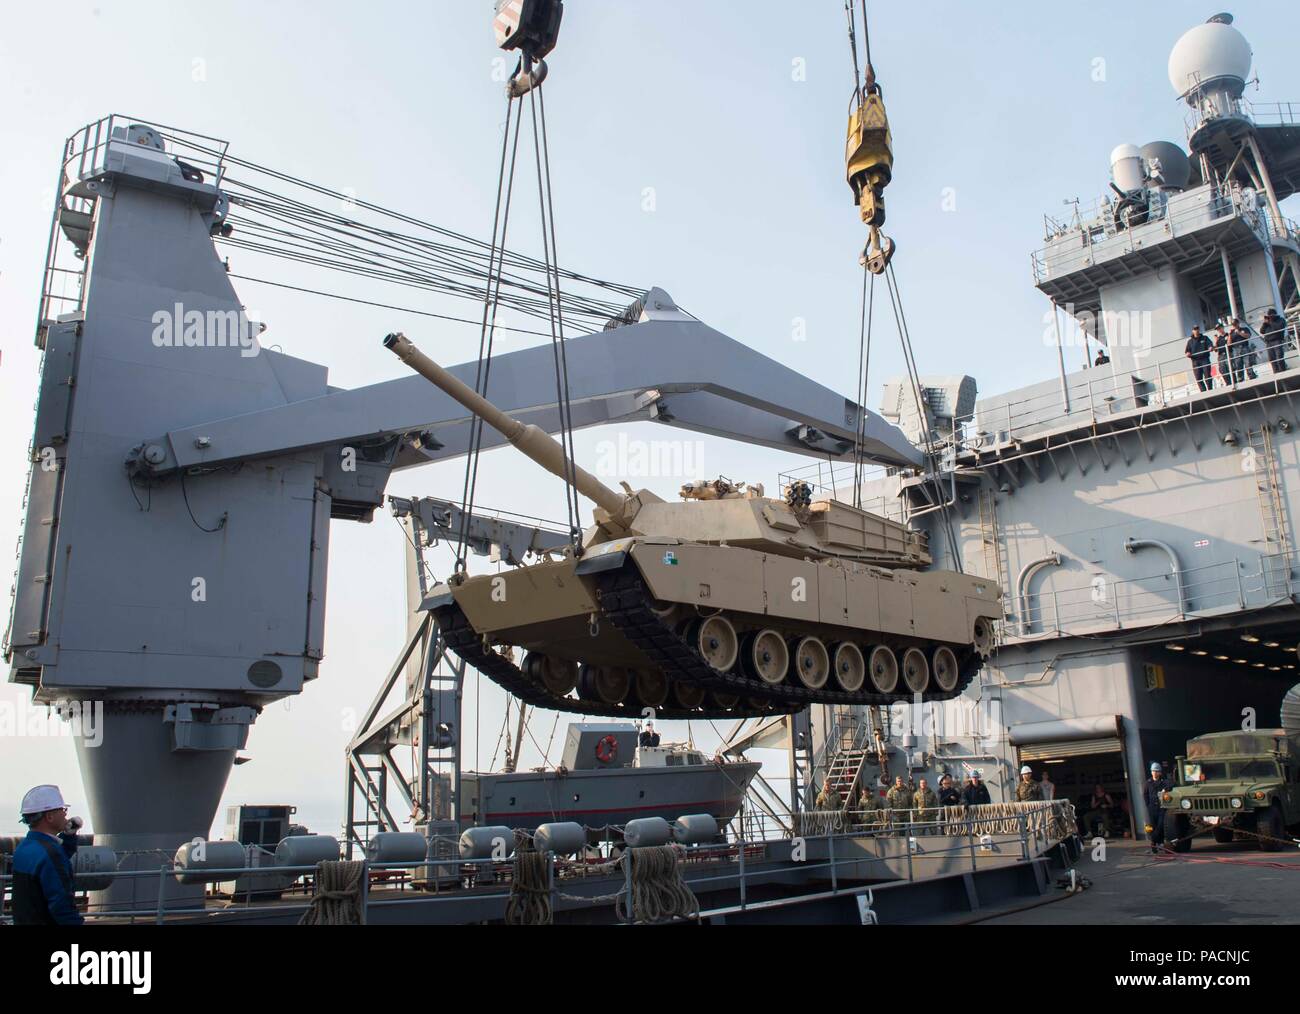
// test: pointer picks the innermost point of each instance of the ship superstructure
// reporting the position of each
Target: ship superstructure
(1141, 526)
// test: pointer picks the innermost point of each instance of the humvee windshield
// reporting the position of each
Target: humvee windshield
(1243, 743)
(1222, 771)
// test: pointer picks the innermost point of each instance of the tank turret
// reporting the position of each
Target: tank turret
(728, 602)
(713, 512)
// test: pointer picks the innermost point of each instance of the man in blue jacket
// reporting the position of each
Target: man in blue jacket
(42, 863)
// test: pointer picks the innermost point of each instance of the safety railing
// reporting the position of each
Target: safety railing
(835, 480)
(86, 152)
(1162, 375)
(973, 833)
(1096, 224)
(1096, 603)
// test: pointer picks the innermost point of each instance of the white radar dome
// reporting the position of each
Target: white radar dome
(1126, 167)
(1214, 51)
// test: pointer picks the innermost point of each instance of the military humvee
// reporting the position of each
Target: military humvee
(1239, 784)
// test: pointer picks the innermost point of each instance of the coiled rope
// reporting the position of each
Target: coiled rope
(659, 894)
(337, 900)
(530, 888)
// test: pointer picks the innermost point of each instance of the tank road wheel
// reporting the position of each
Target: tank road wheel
(882, 667)
(983, 637)
(687, 694)
(715, 639)
(916, 670)
(766, 657)
(650, 687)
(943, 663)
(849, 666)
(811, 662)
(607, 684)
(724, 701)
(558, 675)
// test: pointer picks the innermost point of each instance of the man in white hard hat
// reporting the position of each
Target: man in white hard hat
(1028, 790)
(43, 892)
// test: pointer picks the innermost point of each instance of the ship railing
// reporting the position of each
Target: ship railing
(1163, 375)
(995, 832)
(835, 480)
(1095, 223)
(1096, 602)
(86, 151)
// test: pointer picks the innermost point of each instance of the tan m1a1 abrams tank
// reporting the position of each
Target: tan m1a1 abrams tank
(725, 604)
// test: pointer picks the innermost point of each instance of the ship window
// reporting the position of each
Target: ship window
(673, 760)
(695, 759)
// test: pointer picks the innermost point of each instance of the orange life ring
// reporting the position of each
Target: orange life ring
(606, 749)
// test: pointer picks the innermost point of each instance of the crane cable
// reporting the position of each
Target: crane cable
(914, 378)
(861, 83)
(864, 369)
(487, 333)
(550, 256)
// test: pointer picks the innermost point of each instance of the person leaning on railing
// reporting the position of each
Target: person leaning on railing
(976, 793)
(1273, 330)
(926, 805)
(899, 798)
(871, 808)
(1223, 352)
(1198, 350)
(1243, 351)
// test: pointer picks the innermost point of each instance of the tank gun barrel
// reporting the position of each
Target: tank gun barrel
(528, 438)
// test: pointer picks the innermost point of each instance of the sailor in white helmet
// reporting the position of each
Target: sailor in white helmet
(43, 892)
(1027, 790)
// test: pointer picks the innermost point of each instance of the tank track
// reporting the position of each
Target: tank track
(626, 602)
(461, 638)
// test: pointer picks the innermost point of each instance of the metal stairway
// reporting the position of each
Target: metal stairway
(849, 757)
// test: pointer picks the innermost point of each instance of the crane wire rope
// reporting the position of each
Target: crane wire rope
(487, 335)
(914, 379)
(545, 196)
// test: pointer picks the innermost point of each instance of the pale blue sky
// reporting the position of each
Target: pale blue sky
(753, 225)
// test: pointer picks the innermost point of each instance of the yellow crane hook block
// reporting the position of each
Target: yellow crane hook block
(869, 160)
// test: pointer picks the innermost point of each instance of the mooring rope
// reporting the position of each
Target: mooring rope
(337, 900)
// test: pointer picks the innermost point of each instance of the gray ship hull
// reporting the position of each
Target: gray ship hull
(597, 798)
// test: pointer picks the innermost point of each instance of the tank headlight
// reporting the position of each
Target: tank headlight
(1236, 801)
(1187, 804)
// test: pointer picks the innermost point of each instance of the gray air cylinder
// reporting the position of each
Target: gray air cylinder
(695, 829)
(562, 838)
(307, 850)
(94, 867)
(195, 859)
(647, 831)
(396, 847)
(479, 842)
